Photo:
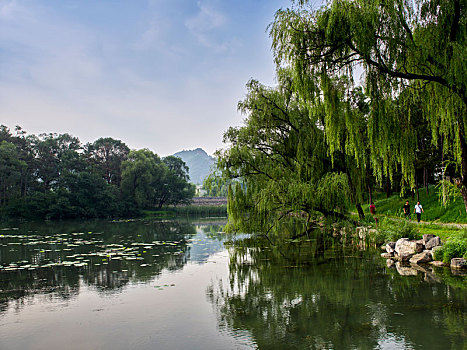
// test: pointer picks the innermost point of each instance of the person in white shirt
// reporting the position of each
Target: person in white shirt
(418, 210)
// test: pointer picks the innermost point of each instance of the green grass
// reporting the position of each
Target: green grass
(454, 212)
(442, 221)
(443, 232)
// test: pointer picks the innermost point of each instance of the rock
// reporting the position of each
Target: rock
(405, 270)
(343, 231)
(390, 247)
(390, 263)
(458, 263)
(386, 255)
(405, 249)
(383, 247)
(400, 242)
(428, 273)
(459, 272)
(419, 246)
(429, 252)
(427, 237)
(437, 263)
(420, 268)
(404, 256)
(420, 258)
(434, 242)
(362, 232)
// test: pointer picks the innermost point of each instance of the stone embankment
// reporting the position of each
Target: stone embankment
(418, 251)
(211, 201)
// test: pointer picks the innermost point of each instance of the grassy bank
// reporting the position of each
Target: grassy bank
(454, 212)
(448, 222)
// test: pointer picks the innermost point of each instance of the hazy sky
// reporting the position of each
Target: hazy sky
(159, 74)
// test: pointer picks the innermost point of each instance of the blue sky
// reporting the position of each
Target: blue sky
(159, 74)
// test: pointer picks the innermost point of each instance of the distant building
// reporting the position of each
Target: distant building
(200, 191)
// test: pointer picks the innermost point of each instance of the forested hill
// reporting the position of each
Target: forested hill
(199, 163)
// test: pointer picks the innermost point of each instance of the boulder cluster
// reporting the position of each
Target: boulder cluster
(418, 251)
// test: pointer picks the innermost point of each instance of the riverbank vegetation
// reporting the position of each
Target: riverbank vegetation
(55, 176)
(454, 238)
(188, 211)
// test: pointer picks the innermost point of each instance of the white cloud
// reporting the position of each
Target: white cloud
(8, 8)
(206, 20)
(150, 35)
(204, 27)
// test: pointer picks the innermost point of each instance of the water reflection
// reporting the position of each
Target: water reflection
(344, 300)
(58, 257)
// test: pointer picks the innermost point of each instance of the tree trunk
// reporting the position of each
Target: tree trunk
(416, 186)
(425, 179)
(354, 197)
(388, 187)
(361, 214)
(370, 194)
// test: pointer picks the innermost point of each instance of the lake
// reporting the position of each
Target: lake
(185, 285)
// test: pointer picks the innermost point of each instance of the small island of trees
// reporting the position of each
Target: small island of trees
(55, 176)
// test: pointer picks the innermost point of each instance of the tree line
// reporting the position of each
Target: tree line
(55, 176)
(321, 140)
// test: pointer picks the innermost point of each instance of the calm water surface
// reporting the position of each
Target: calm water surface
(175, 285)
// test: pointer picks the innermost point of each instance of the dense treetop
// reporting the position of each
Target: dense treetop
(55, 176)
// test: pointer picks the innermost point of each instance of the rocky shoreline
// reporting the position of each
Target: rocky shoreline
(416, 252)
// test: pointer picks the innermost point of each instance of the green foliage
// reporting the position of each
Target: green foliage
(11, 169)
(55, 177)
(455, 247)
(142, 173)
(108, 155)
(317, 131)
(189, 211)
(438, 254)
(215, 185)
(281, 154)
(175, 183)
(392, 230)
(448, 192)
(415, 76)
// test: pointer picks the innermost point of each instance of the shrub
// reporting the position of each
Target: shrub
(392, 230)
(454, 248)
(379, 237)
(438, 254)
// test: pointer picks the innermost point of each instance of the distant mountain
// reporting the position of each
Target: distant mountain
(199, 162)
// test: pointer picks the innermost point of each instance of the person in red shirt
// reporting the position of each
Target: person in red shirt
(372, 208)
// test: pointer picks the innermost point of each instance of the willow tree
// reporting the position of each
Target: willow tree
(284, 160)
(399, 44)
